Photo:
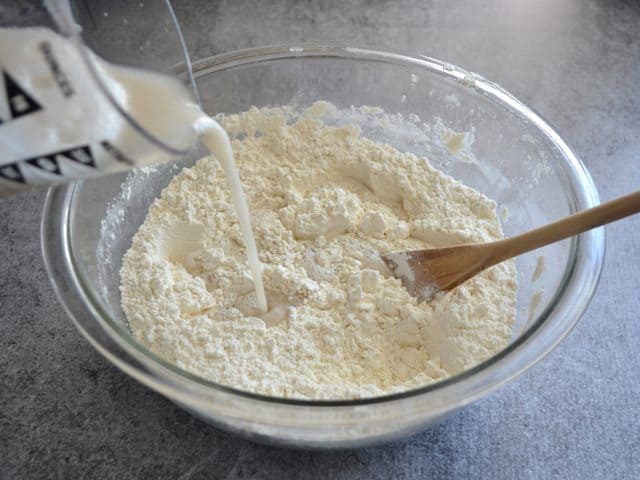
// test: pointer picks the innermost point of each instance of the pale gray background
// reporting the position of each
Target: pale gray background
(66, 413)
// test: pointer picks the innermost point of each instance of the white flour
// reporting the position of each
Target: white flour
(324, 204)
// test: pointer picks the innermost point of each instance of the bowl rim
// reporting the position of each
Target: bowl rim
(569, 302)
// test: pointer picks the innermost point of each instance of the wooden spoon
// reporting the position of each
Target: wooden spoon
(425, 272)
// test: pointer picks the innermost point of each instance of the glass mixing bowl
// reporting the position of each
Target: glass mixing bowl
(510, 154)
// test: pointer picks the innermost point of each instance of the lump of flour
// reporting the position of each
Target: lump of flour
(325, 204)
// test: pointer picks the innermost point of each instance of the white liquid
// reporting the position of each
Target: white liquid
(168, 120)
(213, 136)
(80, 114)
(60, 106)
(176, 113)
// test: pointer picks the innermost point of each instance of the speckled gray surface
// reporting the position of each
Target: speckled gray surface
(67, 413)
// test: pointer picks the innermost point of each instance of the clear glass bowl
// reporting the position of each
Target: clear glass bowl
(516, 159)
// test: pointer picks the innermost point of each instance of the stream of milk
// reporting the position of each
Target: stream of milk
(144, 90)
(213, 136)
(65, 117)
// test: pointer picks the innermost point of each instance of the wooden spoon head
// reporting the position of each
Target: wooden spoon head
(426, 272)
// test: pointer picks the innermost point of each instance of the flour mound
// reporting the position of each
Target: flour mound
(325, 204)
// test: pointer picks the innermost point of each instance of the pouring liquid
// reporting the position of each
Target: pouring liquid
(213, 136)
(177, 114)
(58, 123)
(142, 89)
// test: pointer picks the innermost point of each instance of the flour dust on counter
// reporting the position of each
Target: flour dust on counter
(325, 202)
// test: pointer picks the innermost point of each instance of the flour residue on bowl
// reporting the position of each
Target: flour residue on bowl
(325, 203)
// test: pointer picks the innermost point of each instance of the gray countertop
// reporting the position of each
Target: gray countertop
(65, 412)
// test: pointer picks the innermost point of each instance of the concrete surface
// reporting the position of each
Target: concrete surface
(67, 413)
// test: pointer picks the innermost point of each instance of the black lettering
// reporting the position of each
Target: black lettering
(56, 71)
(115, 153)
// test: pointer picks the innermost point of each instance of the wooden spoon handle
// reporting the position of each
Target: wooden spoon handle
(567, 227)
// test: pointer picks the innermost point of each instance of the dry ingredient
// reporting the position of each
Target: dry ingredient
(325, 203)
